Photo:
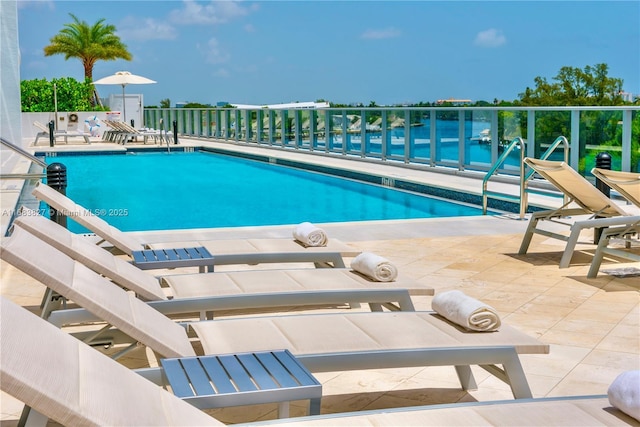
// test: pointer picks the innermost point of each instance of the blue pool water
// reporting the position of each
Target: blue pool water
(160, 191)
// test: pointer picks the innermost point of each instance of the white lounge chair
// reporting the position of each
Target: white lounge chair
(626, 184)
(65, 380)
(65, 135)
(602, 212)
(322, 342)
(224, 251)
(204, 293)
(121, 133)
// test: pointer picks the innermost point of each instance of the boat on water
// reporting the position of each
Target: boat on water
(484, 137)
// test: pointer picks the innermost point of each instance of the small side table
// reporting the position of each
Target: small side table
(243, 379)
(149, 259)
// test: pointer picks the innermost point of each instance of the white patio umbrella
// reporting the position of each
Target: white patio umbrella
(123, 78)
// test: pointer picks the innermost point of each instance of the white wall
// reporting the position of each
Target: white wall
(10, 128)
(29, 130)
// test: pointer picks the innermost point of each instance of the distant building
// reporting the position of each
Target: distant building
(453, 101)
(180, 104)
(290, 106)
(626, 96)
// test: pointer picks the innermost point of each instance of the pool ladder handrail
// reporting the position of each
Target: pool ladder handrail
(25, 154)
(522, 198)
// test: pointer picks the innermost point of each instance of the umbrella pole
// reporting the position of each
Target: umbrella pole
(124, 106)
(55, 103)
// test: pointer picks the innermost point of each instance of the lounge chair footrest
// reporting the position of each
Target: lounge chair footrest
(149, 259)
(242, 379)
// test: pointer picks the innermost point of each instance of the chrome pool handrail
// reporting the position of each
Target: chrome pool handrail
(521, 198)
(22, 152)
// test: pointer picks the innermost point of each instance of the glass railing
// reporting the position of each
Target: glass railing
(469, 138)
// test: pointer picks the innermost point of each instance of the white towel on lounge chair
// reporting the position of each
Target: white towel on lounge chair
(310, 235)
(374, 266)
(466, 311)
(624, 393)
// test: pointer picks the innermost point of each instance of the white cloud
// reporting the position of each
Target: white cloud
(490, 38)
(386, 33)
(221, 72)
(212, 52)
(138, 29)
(215, 12)
(37, 65)
(22, 4)
(249, 28)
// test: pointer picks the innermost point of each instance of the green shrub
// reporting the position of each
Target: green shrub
(37, 96)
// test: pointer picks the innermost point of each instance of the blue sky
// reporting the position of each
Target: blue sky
(262, 52)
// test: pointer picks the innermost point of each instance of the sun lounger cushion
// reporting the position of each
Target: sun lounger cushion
(375, 267)
(310, 235)
(269, 281)
(351, 332)
(76, 385)
(465, 311)
(624, 393)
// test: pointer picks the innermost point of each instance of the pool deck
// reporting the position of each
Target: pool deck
(591, 325)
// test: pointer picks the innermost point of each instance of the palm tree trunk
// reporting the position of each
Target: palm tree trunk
(96, 98)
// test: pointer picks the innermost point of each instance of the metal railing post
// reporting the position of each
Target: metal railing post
(52, 135)
(175, 132)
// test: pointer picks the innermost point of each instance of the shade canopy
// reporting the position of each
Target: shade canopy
(123, 78)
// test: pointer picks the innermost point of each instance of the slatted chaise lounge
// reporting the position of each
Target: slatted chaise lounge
(65, 380)
(65, 135)
(221, 290)
(224, 251)
(602, 211)
(627, 184)
(322, 342)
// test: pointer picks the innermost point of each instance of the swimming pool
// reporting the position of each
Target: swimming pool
(161, 191)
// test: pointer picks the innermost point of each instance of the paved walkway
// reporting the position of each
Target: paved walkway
(592, 325)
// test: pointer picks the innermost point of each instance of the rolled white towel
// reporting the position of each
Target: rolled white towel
(374, 266)
(624, 393)
(466, 311)
(310, 235)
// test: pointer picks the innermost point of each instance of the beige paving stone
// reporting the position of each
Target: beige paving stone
(613, 359)
(543, 310)
(583, 326)
(577, 339)
(507, 302)
(628, 344)
(587, 313)
(365, 381)
(416, 397)
(585, 380)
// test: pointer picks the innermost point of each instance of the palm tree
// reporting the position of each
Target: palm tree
(89, 43)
